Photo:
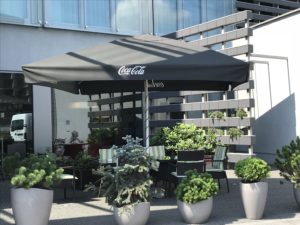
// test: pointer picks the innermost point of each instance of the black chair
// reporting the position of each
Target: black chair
(218, 165)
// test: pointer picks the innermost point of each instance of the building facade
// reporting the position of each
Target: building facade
(31, 30)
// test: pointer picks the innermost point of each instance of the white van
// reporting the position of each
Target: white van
(21, 127)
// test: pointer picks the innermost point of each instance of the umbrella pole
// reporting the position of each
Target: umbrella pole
(146, 115)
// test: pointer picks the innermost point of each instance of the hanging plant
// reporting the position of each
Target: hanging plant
(235, 132)
(241, 113)
(216, 115)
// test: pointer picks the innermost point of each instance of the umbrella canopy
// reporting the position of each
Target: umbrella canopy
(124, 65)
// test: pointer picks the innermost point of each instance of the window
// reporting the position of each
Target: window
(98, 15)
(165, 16)
(128, 18)
(191, 13)
(62, 13)
(17, 125)
(19, 11)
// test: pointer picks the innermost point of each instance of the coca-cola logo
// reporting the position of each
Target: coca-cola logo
(136, 70)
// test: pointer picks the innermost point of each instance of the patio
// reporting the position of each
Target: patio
(281, 207)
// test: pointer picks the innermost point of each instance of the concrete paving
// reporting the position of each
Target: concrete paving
(281, 207)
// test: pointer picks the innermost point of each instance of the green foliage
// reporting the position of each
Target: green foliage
(166, 157)
(288, 161)
(241, 113)
(100, 134)
(128, 184)
(234, 132)
(39, 171)
(185, 137)
(10, 164)
(158, 138)
(211, 140)
(85, 161)
(252, 170)
(196, 187)
(216, 115)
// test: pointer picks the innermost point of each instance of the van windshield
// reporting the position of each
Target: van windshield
(17, 125)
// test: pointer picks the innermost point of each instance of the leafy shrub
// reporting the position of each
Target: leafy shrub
(234, 132)
(158, 138)
(10, 164)
(196, 187)
(98, 135)
(39, 171)
(252, 170)
(128, 184)
(288, 161)
(84, 161)
(216, 115)
(185, 137)
(241, 113)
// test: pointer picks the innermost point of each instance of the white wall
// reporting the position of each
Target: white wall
(277, 80)
(24, 44)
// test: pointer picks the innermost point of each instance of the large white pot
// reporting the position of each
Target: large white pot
(195, 213)
(297, 195)
(137, 216)
(254, 196)
(31, 206)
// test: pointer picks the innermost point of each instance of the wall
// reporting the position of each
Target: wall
(23, 44)
(277, 78)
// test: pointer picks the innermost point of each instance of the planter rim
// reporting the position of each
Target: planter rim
(32, 188)
(253, 182)
(132, 204)
(195, 202)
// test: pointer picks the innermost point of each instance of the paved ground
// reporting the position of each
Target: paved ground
(86, 210)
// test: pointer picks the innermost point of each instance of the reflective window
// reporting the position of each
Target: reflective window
(62, 12)
(191, 12)
(16, 8)
(98, 13)
(165, 16)
(128, 17)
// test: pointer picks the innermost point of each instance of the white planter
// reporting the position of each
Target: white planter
(137, 216)
(195, 213)
(297, 195)
(31, 206)
(254, 196)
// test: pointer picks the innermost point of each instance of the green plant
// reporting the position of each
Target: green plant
(185, 137)
(234, 132)
(288, 162)
(216, 115)
(97, 136)
(240, 112)
(128, 184)
(211, 140)
(10, 164)
(85, 161)
(196, 187)
(158, 137)
(39, 171)
(252, 170)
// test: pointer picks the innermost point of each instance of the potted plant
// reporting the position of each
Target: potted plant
(83, 165)
(189, 142)
(253, 190)
(31, 194)
(195, 197)
(288, 162)
(127, 187)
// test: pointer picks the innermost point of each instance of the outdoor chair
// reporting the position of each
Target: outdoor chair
(218, 164)
(106, 155)
(157, 153)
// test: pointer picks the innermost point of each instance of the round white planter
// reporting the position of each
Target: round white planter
(297, 195)
(31, 206)
(138, 216)
(195, 213)
(254, 196)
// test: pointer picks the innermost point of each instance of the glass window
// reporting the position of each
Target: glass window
(191, 13)
(62, 12)
(165, 16)
(128, 18)
(13, 8)
(97, 13)
(17, 125)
